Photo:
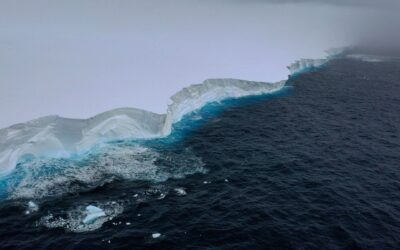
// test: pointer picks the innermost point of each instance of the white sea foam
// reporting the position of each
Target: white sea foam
(73, 220)
(47, 177)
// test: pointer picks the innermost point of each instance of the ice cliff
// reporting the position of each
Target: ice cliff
(55, 136)
(303, 65)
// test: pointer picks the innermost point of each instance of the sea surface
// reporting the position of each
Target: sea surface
(315, 166)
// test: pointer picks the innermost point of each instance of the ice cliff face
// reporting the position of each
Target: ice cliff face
(55, 136)
(303, 65)
(212, 90)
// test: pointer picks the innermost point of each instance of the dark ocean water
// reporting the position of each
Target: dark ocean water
(316, 166)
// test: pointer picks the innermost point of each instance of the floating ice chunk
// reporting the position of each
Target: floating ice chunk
(32, 206)
(162, 196)
(226, 180)
(180, 191)
(93, 213)
(155, 235)
(128, 223)
(82, 218)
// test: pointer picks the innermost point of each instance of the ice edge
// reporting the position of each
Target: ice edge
(55, 136)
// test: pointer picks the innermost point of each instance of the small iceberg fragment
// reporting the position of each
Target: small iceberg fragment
(180, 191)
(84, 218)
(156, 235)
(162, 196)
(32, 207)
(93, 213)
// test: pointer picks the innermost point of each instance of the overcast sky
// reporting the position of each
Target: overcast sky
(78, 58)
(379, 3)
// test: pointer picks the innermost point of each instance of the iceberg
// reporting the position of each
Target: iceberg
(55, 136)
(58, 137)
